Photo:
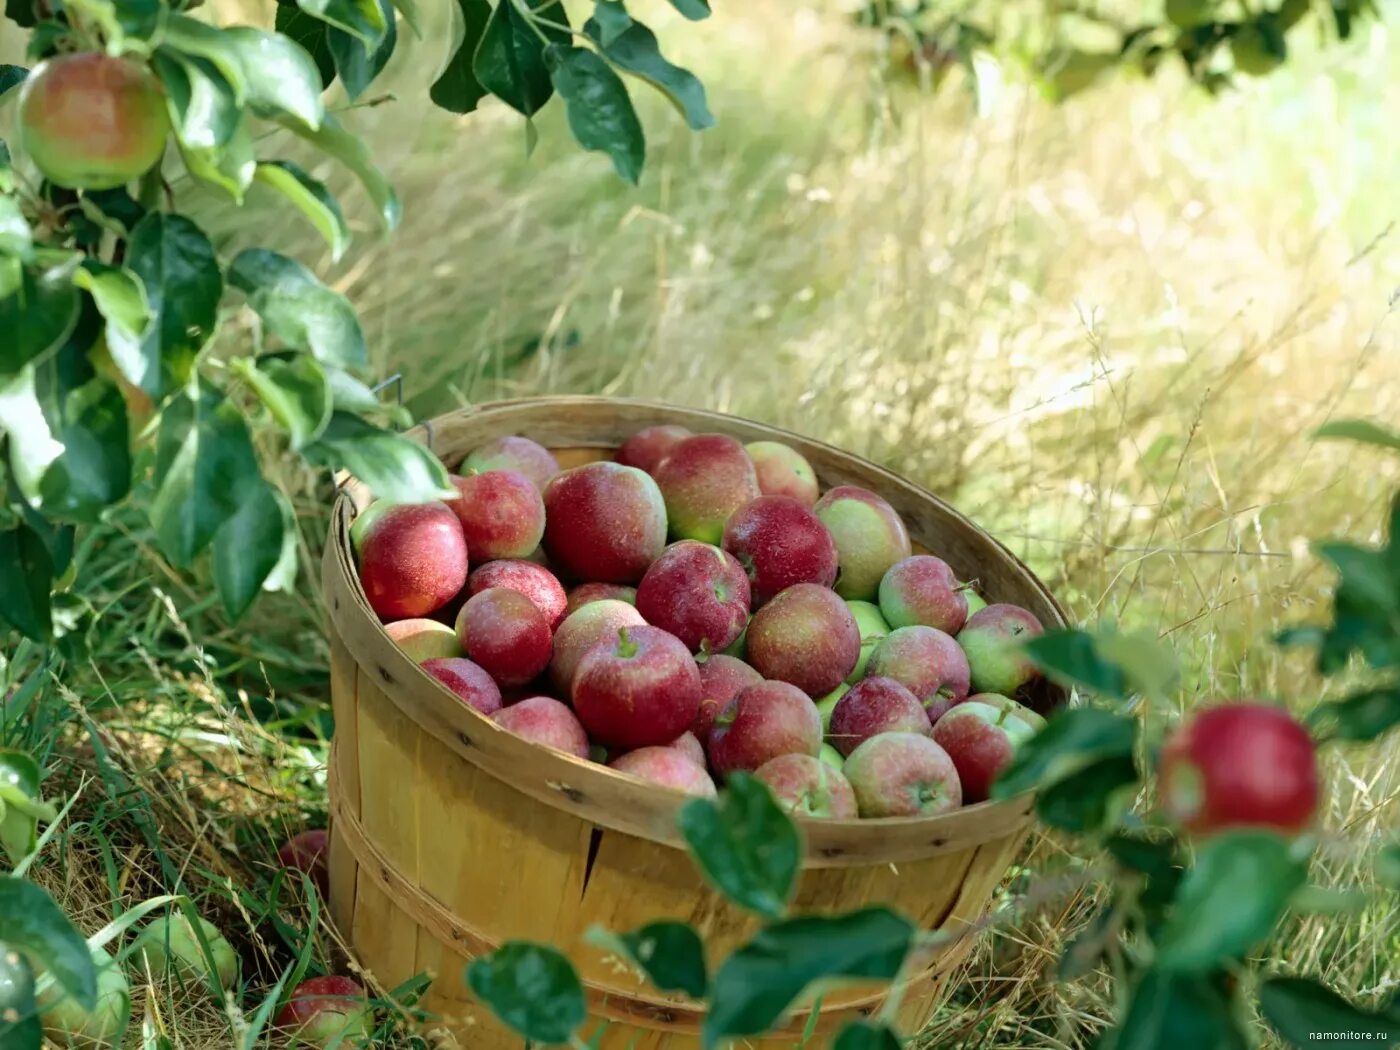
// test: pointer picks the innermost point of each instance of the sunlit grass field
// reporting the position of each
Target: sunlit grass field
(1104, 330)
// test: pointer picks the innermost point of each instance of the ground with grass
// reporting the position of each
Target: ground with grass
(1104, 330)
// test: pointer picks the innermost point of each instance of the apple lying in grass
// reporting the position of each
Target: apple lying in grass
(808, 787)
(721, 679)
(67, 1023)
(597, 592)
(583, 629)
(869, 535)
(529, 578)
(171, 950)
(698, 593)
(764, 721)
(783, 471)
(309, 852)
(923, 590)
(982, 738)
(473, 686)
(640, 689)
(603, 522)
(805, 636)
(503, 632)
(927, 662)
(544, 720)
(502, 514)
(413, 557)
(780, 543)
(516, 453)
(873, 706)
(649, 446)
(669, 767)
(1239, 765)
(992, 640)
(903, 775)
(704, 479)
(325, 1012)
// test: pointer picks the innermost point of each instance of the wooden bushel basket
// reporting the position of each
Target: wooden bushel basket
(451, 836)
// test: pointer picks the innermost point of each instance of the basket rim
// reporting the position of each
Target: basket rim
(597, 793)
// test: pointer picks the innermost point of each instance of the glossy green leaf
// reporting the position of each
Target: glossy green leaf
(16, 238)
(281, 76)
(27, 568)
(33, 447)
(1366, 604)
(118, 20)
(1090, 799)
(20, 1027)
(230, 167)
(610, 20)
(634, 48)
(1359, 430)
(1072, 658)
(180, 273)
(671, 954)
(1298, 1009)
(457, 90)
(695, 10)
(1148, 664)
(248, 547)
(11, 77)
(192, 37)
(351, 151)
(745, 844)
(120, 297)
(863, 1035)
(312, 198)
(532, 988)
(20, 804)
(1229, 900)
(510, 60)
(1074, 740)
(1359, 718)
(393, 467)
(1172, 1011)
(361, 18)
(33, 923)
(311, 34)
(599, 109)
(757, 984)
(114, 206)
(204, 111)
(356, 62)
(1157, 860)
(37, 316)
(297, 309)
(205, 470)
(295, 391)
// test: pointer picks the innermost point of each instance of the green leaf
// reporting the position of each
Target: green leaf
(351, 151)
(1172, 1011)
(671, 954)
(510, 60)
(20, 805)
(205, 471)
(610, 20)
(37, 316)
(756, 985)
(745, 844)
(282, 77)
(1298, 1008)
(311, 34)
(191, 37)
(1230, 900)
(120, 297)
(1148, 664)
(16, 238)
(862, 1035)
(457, 90)
(1360, 430)
(532, 988)
(33, 447)
(1074, 740)
(295, 391)
(27, 568)
(229, 167)
(1359, 718)
(600, 111)
(634, 48)
(180, 272)
(114, 206)
(1090, 799)
(362, 18)
(357, 63)
(204, 111)
(296, 308)
(312, 198)
(11, 77)
(393, 467)
(1072, 657)
(695, 10)
(33, 923)
(248, 547)
(1156, 860)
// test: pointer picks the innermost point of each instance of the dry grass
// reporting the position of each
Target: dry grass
(1103, 330)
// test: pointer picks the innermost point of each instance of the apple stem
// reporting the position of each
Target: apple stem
(626, 648)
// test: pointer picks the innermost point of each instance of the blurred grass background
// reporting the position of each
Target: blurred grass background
(1103, 329)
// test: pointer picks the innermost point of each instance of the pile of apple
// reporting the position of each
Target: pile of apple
(785, 632)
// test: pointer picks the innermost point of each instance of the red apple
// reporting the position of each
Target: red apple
(783, 471)
(805, 636)
(704, 479)
(640, 690)
(1247, 764)
(413, 557)
(423, 639)
(604, 522)
(992, 639)
(869, 537)
(873, 706)
(473, 686)
(698, 593)
(309, 852)
(545, 721)
(325, 1012)
(927, 662)
(516, 453)
(780, 542)
(501, 630)
(534, 581)
(597, 592)
(502, 514)
(903, 775)
(923, 590)
(721, 679)
(666, 766)
(582, 630)
(981, 739)
(761, 723)
(647, 448)
(808, 787)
